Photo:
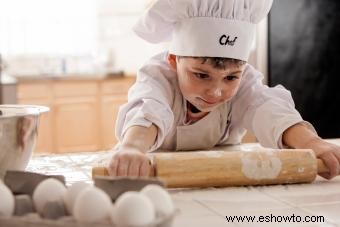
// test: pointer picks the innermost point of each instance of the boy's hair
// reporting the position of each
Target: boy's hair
(218, 62)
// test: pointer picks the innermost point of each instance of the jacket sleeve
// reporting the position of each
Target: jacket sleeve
(149, 101)
(266, 111)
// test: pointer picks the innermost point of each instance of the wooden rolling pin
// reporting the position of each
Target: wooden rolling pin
(233, 168)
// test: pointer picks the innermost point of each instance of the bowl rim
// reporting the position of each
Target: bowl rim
(36, 110)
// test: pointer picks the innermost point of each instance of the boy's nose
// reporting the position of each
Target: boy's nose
(215, 92)
(218, 92)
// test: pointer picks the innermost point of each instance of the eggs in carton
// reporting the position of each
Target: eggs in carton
(111, 202)
(7, 201)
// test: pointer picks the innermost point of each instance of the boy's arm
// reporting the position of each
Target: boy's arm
(299, 136)
(130, 159)
(140, 137)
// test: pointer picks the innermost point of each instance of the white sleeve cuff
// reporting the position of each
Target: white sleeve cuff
(271, 119)
(306, 123)
(145, 113)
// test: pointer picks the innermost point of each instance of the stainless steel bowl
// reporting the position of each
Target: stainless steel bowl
(18, 134)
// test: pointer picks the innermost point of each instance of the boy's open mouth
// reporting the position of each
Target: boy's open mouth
(192, 108)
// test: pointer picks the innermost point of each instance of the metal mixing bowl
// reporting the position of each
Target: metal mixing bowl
(18, 134)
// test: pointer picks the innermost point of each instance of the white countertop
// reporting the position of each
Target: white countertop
(209, 206)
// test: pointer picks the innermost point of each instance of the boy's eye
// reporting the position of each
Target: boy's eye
(231, 77)
(201, 75)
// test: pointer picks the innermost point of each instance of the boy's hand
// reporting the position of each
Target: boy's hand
(301, 137)
(129, 161)
(330, 155)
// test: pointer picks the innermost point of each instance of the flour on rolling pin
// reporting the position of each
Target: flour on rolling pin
(209, 154)
(213, 154)
(165, 156)
(258, 168)
(301, 170)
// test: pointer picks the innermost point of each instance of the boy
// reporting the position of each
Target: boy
(202, 93)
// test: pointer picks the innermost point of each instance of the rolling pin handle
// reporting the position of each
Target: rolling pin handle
(99, 171)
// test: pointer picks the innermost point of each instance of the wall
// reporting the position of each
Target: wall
(117, 44)
(304, 57)
(115, 48)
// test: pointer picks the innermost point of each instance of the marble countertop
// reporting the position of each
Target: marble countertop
(318, 201)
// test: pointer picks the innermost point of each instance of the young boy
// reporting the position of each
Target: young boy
(202, 93)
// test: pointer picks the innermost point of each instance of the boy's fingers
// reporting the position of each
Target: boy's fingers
(133, 169)
(122, 168)
(337, 156)
(325, 175)
(332, 163)
(145, 168)
(112, 168)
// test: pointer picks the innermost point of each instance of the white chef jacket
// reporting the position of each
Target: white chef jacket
(155, 98)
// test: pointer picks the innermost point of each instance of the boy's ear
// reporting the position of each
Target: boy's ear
(172, 61)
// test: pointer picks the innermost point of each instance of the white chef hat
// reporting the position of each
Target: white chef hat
(204, 28)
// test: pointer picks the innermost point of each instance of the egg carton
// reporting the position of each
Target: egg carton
(22, 184)
(34, 220)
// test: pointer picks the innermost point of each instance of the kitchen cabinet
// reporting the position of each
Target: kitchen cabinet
(109, 110)
(113, 94)
(77, 127)
(77, 116)
(82, 111)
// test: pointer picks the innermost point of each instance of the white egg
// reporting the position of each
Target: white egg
(160, 198)
(6, 201)
(133, 209)
(48, 190)
(92, 205)
(72, 193)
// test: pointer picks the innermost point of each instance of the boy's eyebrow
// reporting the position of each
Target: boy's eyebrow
(201, 70)
(237, 71)
(206, 72)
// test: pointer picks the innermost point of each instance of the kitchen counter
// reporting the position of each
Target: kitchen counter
(202, 207)
(70, 77)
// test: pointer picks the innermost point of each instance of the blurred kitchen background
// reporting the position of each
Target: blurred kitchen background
(79, 57)
(71, 36)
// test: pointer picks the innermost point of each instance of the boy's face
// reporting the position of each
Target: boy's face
(203, 85)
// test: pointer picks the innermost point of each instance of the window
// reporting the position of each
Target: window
(54, 27)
